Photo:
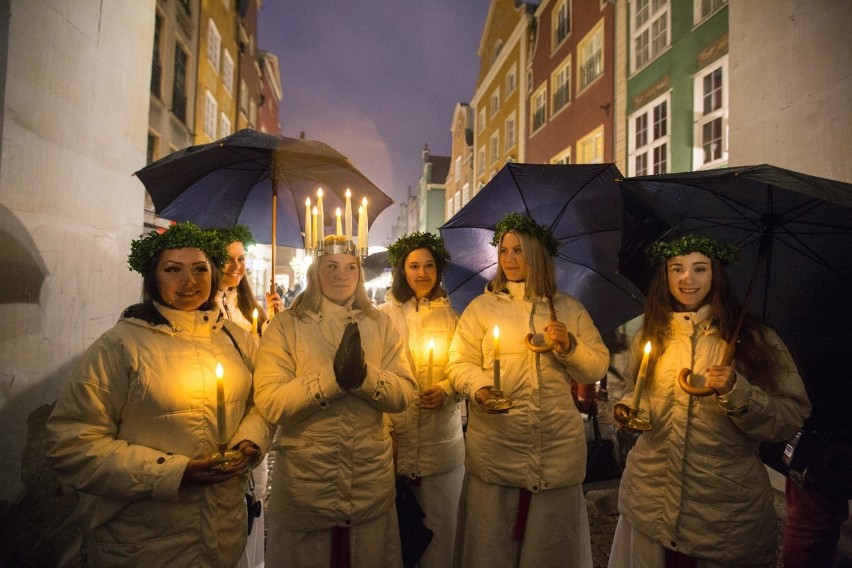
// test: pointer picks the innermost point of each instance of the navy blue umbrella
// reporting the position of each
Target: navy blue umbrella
(258, 180)
(582, 206)
(794, 231)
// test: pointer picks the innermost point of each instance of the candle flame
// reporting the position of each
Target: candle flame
(315, 210)
(337, 212)
(319, 192)
(431, 345)
(219, 371)
(364, 202)
(648, 348)
(307, 202)
(496, 332)
(348, 193)
(254, 313)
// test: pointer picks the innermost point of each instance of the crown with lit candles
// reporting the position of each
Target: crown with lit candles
(342, 241)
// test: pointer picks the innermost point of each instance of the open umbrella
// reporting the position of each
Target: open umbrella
(258, 180)
(794, 231)
(581, 205)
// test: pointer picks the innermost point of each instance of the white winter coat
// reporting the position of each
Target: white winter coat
(335, 466)
(694, 482)
(139, 405)
(429, 441)
(540, 444)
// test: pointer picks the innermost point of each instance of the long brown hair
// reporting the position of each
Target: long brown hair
(541, 275)
(754, 356)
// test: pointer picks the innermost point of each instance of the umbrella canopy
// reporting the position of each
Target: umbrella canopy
(582, 207)
(233, 180)
(795, 229)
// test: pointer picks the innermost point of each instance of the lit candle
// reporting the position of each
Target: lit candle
(221, 426)
(362, 231)
(429, 364)
(320, 217)
(640, 378)
(308, 233)
(254, 322)
(347, 215)
(366, 223)
(314, 228)
(339, 228)
(496, 358)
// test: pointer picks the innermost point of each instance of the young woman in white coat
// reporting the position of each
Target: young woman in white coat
(523, 501)
(428, 435)
(328, 369)
(138, 426)
(694, 492)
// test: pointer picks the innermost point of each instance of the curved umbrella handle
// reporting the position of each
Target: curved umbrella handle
(548, 345)
(683, 381)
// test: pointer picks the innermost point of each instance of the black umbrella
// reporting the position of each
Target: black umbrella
(794, 231)
(258, 180)
(581, 205)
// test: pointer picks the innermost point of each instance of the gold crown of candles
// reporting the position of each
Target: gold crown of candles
(342, 241)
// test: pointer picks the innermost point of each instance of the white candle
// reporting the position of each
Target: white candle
(362, 231)
(254, 322)
(366, 223)
(221, 425)
(429, 364)
(496, 358)
(308, 232)
(338, 227)
(320, 217)
(314, 228)
(347, 215)
(640, 378)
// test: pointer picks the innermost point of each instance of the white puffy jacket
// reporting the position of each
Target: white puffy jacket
(540, 444)
(429, 441)
(139, 405)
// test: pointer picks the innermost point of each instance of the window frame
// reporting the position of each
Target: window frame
(703, 118)
(214, 45)
(651, 145)
(663, 12)
(595, 39)
(538, 110)
(564, 70)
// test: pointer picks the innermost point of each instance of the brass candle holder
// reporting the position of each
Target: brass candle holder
(226, 458)
(499, 404)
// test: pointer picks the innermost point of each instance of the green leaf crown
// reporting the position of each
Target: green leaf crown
(524, 224)
(181, 235)
(407, 243)
(233, 234)
(663, 250)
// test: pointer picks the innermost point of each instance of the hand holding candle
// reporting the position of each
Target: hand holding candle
(221, 424)
(496, 358)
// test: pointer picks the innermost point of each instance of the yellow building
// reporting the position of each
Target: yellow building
(216, 93)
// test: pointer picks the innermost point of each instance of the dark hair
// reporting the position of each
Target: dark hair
(151, 290)
(754, 356)
(399, 285)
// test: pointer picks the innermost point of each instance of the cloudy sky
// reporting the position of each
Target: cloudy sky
(375, 79)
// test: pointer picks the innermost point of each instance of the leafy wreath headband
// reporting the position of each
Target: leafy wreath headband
(414, 241)
(524, 224)
(233, 234)
(661, 251)
(181, 235)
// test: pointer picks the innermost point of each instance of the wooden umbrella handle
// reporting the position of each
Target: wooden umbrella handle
(549, 345)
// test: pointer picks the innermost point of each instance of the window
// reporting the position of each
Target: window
(561, 21)
(465, 193)
(480, 161)
(214, 43)
(590, 148)
(495, 102)
(511, 138)
(539, 108)
(711, 112)
(451, 206)
(153, 146)
(511, 81)
(495, 147)
(156, 63)
(179, 84)
(224, 125)
(228, 71)
(457, 169)
(480, 121)
(211, 109)
(649, 25)
(561, 85)
(563, 157)
(457, 202)
(590, 52)
(706, 8)
(649, 139)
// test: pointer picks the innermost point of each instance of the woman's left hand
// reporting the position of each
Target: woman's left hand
(251, 451)
(432, 398)
(274, 303)
(722, 378)
(557, 332)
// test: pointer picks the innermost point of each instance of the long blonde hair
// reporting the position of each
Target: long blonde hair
(541, 276)
(310, 300)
